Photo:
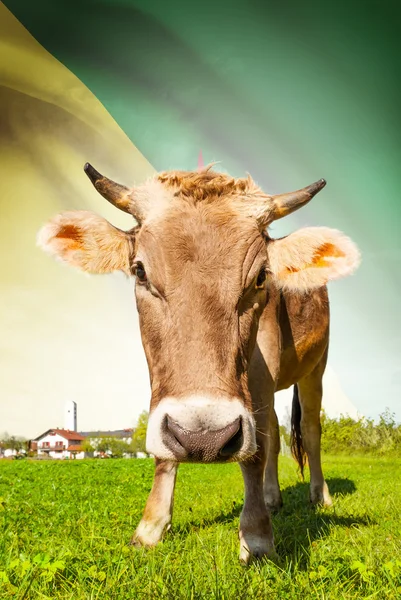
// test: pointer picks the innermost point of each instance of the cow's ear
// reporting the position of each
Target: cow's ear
(87, 241)
(311, 257)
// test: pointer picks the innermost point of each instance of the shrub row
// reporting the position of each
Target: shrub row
(363, 435)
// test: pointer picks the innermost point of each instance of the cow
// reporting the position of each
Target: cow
(228, 316)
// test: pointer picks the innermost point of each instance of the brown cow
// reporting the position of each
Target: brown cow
(228, 316)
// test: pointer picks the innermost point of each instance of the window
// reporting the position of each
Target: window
(45, 444)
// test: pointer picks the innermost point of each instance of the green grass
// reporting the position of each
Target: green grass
(65, 527)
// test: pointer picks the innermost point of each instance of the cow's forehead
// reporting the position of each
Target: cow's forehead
(216, 193)
(204, 234)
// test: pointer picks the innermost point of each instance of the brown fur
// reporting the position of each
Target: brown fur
(72, 233)
(206, 184)
(202, 251)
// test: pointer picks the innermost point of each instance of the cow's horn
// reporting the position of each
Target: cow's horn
(115, 193)
(119, 195)
(285, 204)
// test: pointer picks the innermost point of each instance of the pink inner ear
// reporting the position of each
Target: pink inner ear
(325, 251)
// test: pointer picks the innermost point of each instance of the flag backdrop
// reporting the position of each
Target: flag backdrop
(289, 92)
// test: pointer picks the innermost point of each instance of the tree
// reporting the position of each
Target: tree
(138, 443)
(110, 445)
(87, 445)
(286, 421)
(285, 435)
(118, 447)
(13, 442)
(103, 444)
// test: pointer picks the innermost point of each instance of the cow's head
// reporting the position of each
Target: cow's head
(204, 266)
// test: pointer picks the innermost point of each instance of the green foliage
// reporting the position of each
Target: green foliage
(12, 442)
(138, 443)
(347, 435)
(88, 445)
(285, 435)
(65, 528)
(110, 445)
(118, 447)
(101, 444)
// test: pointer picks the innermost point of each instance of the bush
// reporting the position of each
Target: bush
(347, 435)
(138, 443)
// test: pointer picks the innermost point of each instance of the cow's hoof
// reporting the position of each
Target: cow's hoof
(273, 501)
(147, 534)
(136, 542)
(255, 547)
(321, 496)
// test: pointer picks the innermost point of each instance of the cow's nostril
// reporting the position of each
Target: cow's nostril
(203, 445)
(172, 439)
(234, 444)
(177, 432)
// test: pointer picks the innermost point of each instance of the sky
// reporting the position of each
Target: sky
(288, 93)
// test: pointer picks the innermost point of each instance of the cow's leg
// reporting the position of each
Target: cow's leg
(159, 507)
(272, 492)
(255, 531)
(310, 396)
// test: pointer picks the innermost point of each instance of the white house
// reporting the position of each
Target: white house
(9, 452)
(59, 443)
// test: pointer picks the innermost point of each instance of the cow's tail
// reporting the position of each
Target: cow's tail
(297, 447)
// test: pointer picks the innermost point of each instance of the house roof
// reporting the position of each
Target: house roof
(117, 433)
(67, 434)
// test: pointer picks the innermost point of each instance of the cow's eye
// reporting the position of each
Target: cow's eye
(140, 273)
(261, 278)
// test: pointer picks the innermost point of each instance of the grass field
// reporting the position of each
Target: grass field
(65, 528)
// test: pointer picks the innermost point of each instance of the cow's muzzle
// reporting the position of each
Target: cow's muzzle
(201, 429)
(203, 445)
